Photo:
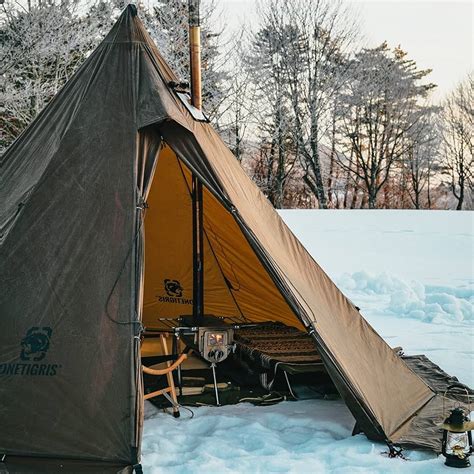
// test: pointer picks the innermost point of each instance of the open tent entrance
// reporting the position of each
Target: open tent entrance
(235, 282)
(236, 286)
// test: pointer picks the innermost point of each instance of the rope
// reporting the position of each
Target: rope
(142, 206)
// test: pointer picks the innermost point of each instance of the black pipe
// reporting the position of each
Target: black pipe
(198, 252)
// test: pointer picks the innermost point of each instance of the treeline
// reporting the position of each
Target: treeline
(315, 120)
(319, 122)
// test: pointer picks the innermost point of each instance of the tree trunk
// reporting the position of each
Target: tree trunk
(428, 190)
(280, 171)
(332, 162)
(372, 198)
(461, 188)
(318, 187)
(460, 199)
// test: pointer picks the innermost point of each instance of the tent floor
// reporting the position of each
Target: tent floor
(239, 385)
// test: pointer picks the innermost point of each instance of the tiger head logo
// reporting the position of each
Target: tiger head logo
(173, 288)
(35, 344)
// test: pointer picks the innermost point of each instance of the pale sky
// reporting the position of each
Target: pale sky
(438, 34)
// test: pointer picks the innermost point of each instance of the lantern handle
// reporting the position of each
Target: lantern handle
(462, 387)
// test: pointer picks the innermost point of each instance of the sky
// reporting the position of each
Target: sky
(437, 34)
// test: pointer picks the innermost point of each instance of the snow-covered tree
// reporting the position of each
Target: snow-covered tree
(43, 42)
(41, 45)
(167, 22)
(273, 117)
(317, 68)
(383, 109)
(458, 141)
(236, 120)
(422, 160)
(298, 58)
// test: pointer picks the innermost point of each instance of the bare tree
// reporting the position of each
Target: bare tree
(299, 58)
(458, 140)
(316, 67)
(236, 121)
(273, 120)
(421, 160)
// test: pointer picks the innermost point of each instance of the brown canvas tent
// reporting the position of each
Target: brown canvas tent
(96, 215)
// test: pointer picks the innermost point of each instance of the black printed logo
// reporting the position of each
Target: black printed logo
(35, 344)
(174, 292)
(173, 288)
(34, 347)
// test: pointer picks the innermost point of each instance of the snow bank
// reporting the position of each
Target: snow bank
(436, 304)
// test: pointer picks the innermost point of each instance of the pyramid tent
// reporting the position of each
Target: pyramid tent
(96, 215)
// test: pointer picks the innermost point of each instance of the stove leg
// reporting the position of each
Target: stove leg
(213, 367)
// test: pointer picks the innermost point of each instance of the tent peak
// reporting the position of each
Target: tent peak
(128, 28)
(131, 9)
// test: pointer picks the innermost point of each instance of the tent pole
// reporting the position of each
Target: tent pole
(198, 252)
(196, 100)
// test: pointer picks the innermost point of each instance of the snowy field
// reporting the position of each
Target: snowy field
(412, 275)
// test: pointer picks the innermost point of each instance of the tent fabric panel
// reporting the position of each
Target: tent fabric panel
(168, 250)
(168, 255)
(147, 150)
(257, 296)
(422, 430)
(27, 158)
(168, 244)
(252, 290)
(155, 101)
(67, 280)
(383, 383)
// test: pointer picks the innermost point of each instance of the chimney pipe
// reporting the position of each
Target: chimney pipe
(195, 52)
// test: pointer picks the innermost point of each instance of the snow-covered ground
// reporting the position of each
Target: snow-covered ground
(410, 272)
(412, 275)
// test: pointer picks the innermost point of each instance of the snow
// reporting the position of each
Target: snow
(309, 436)
(436, 304)
(434, 247)
(411, 273)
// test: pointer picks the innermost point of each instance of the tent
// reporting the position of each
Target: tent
(96, 229)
